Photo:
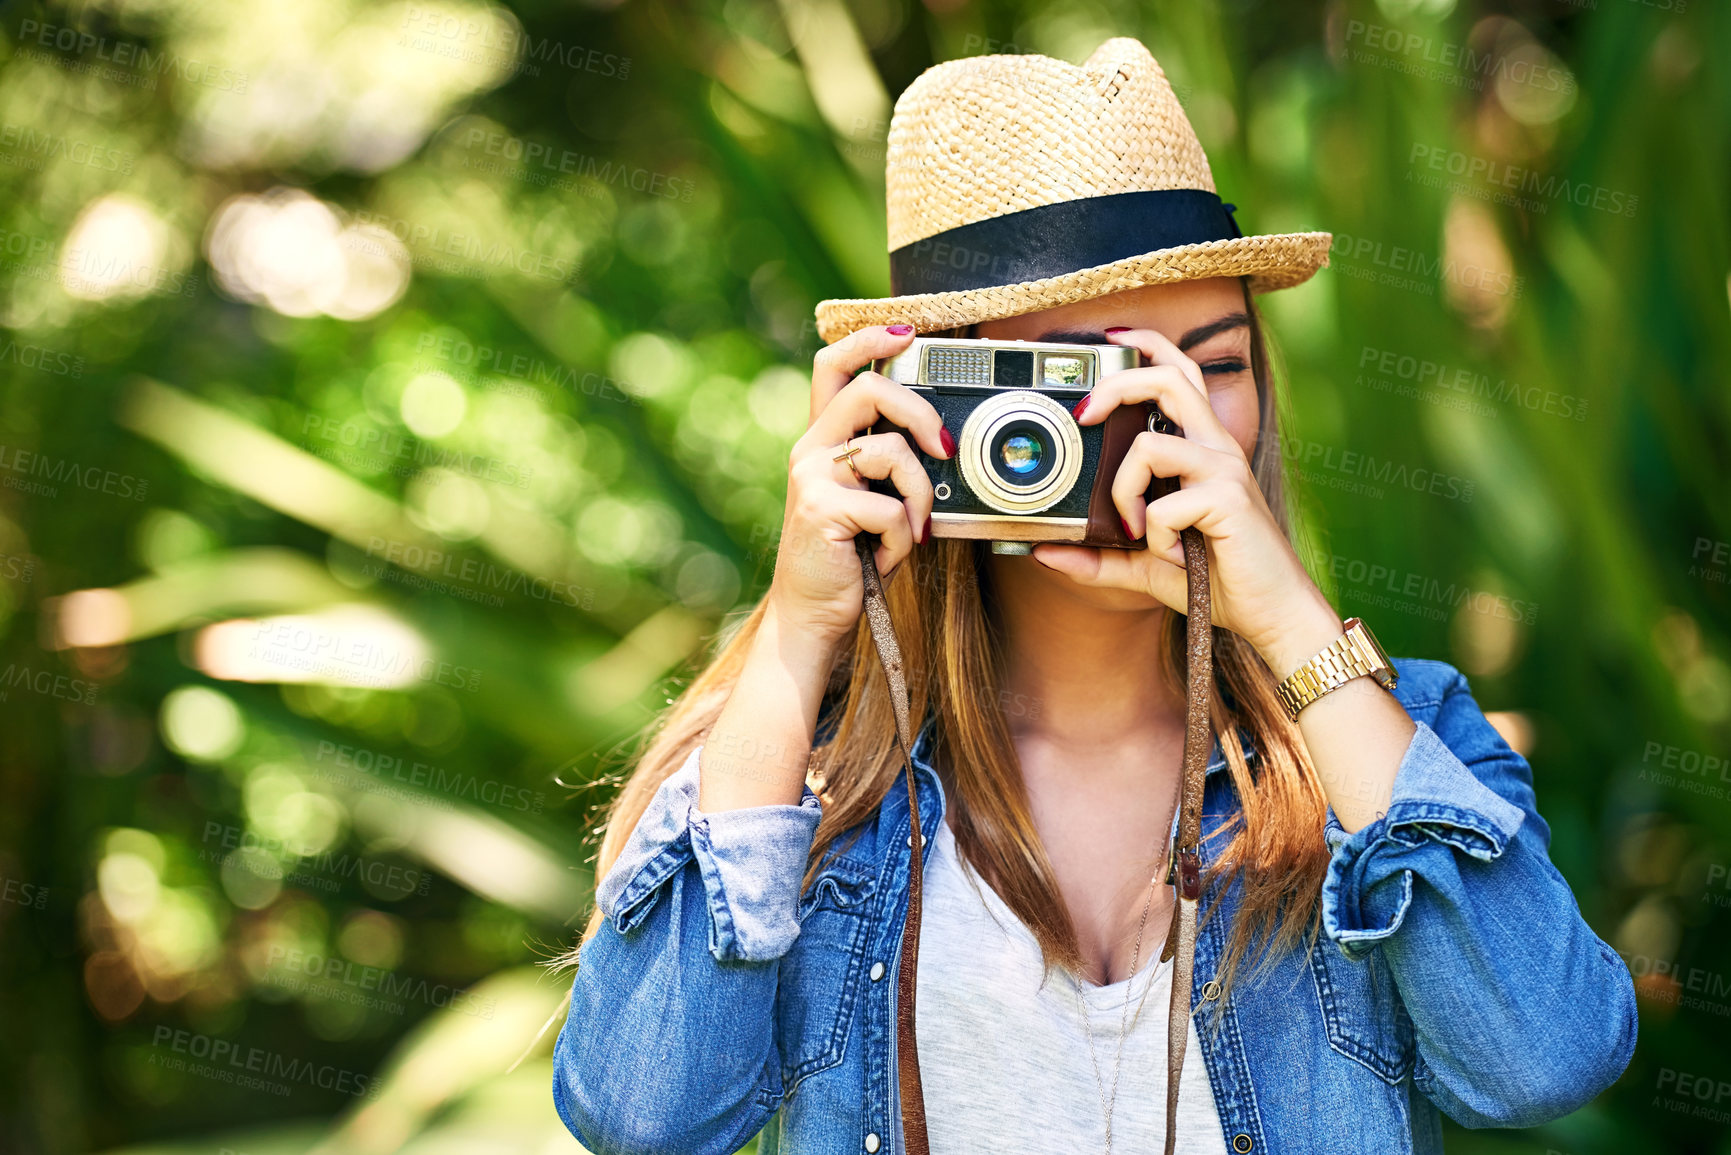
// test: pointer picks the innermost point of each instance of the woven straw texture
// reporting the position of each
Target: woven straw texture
(989, 135)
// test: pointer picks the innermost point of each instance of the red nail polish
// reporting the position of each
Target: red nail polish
(949, 443)
(1128, 532)
(899, 330)
(926, 531)
(1080, 408)
(1117, 329)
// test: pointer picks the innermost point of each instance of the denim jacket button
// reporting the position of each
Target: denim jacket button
(872, 1141)
(1241, 1143)
(1210, 991)
(877, 971)
(911, 840)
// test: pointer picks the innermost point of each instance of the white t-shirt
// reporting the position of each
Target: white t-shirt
(1004, 1062)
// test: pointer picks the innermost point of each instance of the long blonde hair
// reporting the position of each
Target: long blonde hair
(942, 604)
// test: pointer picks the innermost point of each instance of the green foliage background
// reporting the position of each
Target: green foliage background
(632, 209)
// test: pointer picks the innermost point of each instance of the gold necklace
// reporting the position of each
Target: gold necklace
(1107, 1105)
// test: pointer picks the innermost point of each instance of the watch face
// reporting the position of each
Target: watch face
(1385, 671)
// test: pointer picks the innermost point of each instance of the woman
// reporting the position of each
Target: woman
(1377, 866)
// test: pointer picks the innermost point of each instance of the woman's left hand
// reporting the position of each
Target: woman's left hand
(1260, 589)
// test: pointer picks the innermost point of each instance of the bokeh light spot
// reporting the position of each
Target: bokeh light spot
(433, 404)
(201, 724)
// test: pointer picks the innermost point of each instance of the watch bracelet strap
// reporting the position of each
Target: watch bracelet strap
(1345, 658)
(1185, 857)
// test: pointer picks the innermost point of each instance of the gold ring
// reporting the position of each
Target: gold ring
(847, 455)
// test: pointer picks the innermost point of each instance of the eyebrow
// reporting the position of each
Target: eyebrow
(1214, 328)
(1194, 337)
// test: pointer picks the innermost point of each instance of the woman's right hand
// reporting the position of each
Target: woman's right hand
(817, 585)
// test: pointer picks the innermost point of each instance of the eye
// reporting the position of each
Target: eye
(1225, 365)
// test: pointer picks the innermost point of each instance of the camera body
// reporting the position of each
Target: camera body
(1024, 470)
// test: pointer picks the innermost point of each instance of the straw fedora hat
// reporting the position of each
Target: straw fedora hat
(1021, 183)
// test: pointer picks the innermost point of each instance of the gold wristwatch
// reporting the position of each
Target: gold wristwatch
(1349, 656)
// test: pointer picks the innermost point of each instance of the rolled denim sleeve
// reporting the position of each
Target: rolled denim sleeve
(669, 1046)
(1520, 1012)
(1438, 807)
(752, 861)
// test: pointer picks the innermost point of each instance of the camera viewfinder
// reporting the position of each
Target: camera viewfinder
(1064, 371)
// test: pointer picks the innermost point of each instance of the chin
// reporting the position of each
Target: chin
(1025, 568)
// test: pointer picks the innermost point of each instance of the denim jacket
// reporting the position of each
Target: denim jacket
(1454, 972)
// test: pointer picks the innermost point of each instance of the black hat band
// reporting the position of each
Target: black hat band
(1051, 240)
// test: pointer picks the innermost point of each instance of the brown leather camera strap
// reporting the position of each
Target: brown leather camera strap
(1185, 859)
(1186, 870)
(877, 613)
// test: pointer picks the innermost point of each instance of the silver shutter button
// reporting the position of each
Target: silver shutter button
(872, 1141)
(877, 971)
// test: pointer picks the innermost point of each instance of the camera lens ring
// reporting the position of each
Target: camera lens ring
(979, 438)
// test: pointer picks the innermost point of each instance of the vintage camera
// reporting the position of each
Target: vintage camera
(1024, 471)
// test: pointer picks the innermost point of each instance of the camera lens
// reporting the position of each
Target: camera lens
(1020, 452)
